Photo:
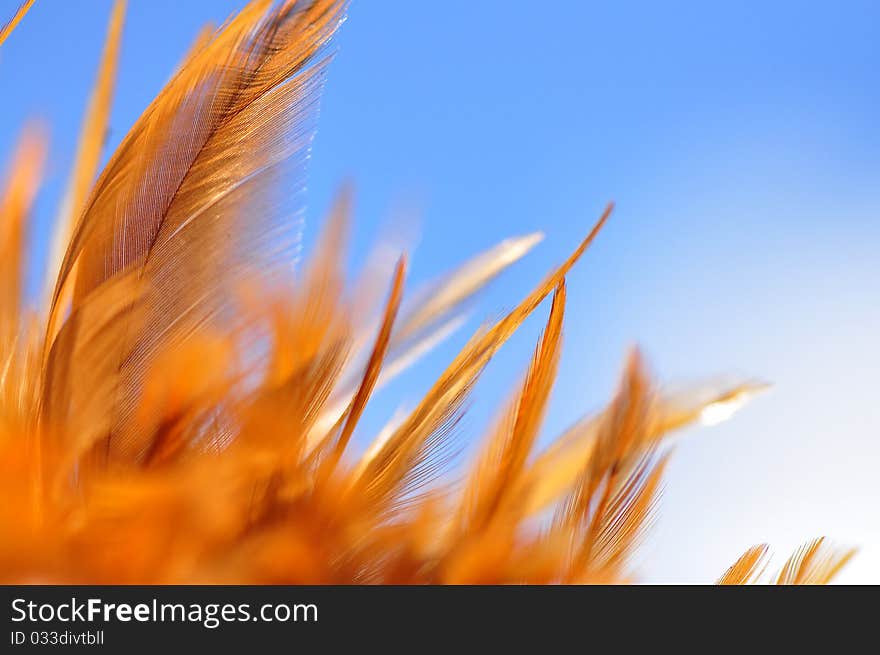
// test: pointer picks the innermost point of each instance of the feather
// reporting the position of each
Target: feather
(203, 38)
(93, 133)
(426, 321)
(610, 506)
(6, 30)
(488, 492)
(398, 467)
(371, 374)
(165, 206)
(19, 345)
(622, 434)
(555, 470)
(814, 563)
(748, 568)
(480, 535)
(618, 526)
(435, 303)
(15, 205)
(309, 342)
(709, 403)
(603, 521)
(88, 347)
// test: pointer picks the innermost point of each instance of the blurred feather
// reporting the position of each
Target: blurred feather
(814, 563)
(404, 463)
(619, 518)
(436, 302)
(429, 320)
(554, 471)
(15, 205)
(374, 365)
(612, 500)
(93, 134)
(18, 346)
(6, 30)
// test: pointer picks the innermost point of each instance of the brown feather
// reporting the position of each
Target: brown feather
(165, 206)
(498, 472)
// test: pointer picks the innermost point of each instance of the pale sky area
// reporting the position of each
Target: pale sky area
(740, 143)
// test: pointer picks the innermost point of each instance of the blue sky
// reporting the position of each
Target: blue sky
(740, 142)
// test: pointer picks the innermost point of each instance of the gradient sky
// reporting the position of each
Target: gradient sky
(740, 142)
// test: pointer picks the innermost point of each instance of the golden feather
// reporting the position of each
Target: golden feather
(165, 206)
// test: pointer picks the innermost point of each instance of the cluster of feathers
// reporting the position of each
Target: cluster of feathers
(179, 405)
